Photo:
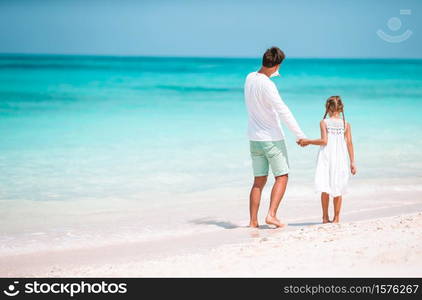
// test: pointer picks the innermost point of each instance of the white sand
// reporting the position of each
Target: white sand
(387, 247)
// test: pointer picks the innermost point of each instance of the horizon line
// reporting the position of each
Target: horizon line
(194, 56)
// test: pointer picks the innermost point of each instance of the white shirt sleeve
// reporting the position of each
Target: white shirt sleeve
(272, 95)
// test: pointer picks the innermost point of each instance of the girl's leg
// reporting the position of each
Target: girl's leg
(337, 207)
(324, 203)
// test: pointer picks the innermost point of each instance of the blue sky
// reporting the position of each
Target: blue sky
(324, 28)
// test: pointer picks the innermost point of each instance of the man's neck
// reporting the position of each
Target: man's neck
(265, 71)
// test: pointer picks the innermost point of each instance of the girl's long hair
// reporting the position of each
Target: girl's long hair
(334, 104)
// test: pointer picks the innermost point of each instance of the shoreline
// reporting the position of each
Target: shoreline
(88, 223)
(202, 230)
(387, 247)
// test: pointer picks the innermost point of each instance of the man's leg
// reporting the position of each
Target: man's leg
(277, 194)
(276, 152)
(255, 198)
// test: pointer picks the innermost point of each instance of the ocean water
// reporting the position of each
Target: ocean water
(143, 147)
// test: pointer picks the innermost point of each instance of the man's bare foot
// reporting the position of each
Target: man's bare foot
(336, 220)
(253, 224)
(273, 221)
(324, 221)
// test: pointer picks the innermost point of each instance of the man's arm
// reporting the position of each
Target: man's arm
(272, 95)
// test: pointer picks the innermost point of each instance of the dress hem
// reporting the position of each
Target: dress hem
(344, 192)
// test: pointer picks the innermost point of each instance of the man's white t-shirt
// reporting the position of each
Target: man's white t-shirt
(265, 109)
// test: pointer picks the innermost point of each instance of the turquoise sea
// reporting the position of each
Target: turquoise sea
(88, 140)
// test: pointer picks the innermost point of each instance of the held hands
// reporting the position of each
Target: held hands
(303, 142)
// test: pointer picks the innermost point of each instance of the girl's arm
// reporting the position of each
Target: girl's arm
(321, 142)
(348, 136)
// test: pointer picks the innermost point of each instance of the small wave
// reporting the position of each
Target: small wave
(45, 241)
(198, 88)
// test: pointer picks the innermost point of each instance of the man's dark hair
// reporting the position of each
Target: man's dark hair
(273, 56)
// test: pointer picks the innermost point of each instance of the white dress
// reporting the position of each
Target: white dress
(333, 169)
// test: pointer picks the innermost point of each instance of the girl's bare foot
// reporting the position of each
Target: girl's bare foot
(253, 224)
(336, 220)
(273, 221)
(325, 220)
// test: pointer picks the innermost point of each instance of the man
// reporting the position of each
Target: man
(266, 137)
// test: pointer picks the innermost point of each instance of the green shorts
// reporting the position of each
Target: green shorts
(265, 153)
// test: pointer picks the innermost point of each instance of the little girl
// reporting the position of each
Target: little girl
(332, 171)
